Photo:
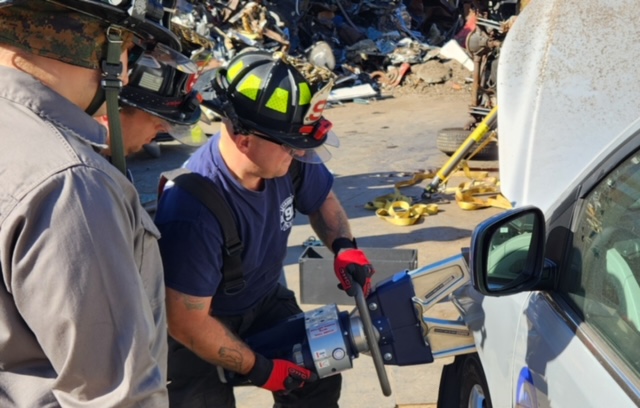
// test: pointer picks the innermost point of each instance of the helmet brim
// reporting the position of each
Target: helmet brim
(115, 15)
(156, 105)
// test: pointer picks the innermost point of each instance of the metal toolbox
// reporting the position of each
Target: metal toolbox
(318, 283)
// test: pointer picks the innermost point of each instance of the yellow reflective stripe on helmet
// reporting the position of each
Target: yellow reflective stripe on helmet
(279, 100)
(234, 70)
(250, 87)
(305, 93)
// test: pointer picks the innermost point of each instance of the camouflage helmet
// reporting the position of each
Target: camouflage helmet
(75, 31)
(144, 18)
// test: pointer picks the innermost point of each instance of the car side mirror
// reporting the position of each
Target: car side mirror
(507, 252)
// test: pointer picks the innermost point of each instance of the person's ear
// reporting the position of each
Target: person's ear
(243, 142)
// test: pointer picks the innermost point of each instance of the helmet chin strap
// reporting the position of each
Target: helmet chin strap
(110, 87)
(96, 102)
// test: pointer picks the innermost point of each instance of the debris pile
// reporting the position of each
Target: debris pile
(371, 45)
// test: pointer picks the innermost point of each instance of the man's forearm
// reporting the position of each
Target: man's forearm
(209, 338)
(330, 221)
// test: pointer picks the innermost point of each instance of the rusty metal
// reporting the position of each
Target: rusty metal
(393, 77)
(191, 36)
(380, 76)
(400, 73)
(312, 73)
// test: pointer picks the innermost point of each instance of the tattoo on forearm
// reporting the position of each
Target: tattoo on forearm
(193, 303)
(230, 358)
(331, 222)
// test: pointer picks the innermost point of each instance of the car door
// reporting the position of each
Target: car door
(579, 345)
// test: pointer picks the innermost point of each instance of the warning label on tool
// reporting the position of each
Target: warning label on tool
(322, 364)
(322, 330)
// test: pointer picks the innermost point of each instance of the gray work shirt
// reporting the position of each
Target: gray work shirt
(82, 318)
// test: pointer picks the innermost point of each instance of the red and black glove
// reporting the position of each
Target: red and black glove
(351, 265)
(279, 375)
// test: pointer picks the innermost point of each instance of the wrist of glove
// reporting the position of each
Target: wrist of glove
(351, 265)
(279, 375)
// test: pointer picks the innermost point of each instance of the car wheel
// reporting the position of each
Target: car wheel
(463, 384)
(450, 139)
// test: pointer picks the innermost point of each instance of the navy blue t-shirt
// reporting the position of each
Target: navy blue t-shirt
(192, 240)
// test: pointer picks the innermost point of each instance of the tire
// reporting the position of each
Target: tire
(450, 139)
(463, 384)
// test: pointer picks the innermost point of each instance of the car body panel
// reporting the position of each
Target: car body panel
(568, 115)
(565, 89)
(565, 371)
(529, 330)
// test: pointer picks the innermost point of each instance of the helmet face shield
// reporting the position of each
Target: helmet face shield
(313, 156)
(190, 135)
(165, 55)
(159, 84)
(316, 155)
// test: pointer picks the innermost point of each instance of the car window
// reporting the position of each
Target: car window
(604, 276)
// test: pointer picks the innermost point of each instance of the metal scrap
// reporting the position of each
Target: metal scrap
(371, 41)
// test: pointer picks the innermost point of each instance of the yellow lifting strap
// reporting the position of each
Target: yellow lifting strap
(398, 209)
(403, 213)
(481, 192)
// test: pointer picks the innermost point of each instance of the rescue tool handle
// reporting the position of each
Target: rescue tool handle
(372, 342)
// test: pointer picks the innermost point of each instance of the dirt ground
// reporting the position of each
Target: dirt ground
(382, 142)
(458, 82)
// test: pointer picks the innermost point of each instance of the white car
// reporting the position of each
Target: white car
(554, 309)
(568, 334)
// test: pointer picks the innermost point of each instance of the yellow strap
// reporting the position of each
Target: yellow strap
(415, 179)
(384, 201)
(402, 213)
(481, 194)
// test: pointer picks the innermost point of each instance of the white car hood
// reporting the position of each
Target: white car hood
(565, 91)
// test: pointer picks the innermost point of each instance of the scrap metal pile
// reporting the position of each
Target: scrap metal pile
(372, 42)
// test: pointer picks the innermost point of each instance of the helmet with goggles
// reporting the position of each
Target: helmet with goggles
(266, 95)
(91, 34)
(81, 30)
(160, 84)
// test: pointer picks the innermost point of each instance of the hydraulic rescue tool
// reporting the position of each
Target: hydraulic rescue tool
(389, 325)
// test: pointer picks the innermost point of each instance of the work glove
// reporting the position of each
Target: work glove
(279, 375)
(351, 265)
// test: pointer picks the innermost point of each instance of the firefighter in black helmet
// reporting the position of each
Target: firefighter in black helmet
(159, 98)
(160, 83)
(267, 163)
(82, 301)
